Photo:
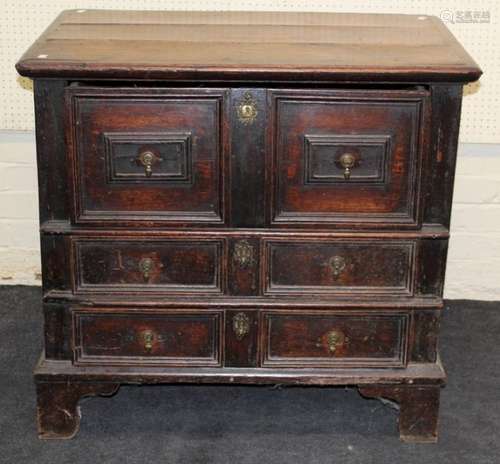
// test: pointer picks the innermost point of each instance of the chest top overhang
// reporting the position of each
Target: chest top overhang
(248, 46)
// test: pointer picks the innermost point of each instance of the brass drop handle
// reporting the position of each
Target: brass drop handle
(337, 264)
(347, 161)
(146, 265)
(334, 339)
(148, 338)
(148, 159)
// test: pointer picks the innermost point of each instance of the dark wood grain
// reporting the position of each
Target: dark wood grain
(236, 197)
(350, 267)
(54, 203)
(174, 265)
(425, 335)
(418, 409)
(446, 107)
(248, 149)
(57, 330)
(56, 262)
(128, 337)
(431, 266)
(301, 339)
(241, 350)
(61, 384)
(383, 130)
(244, 270)
(57, 405)
(414, 374)
(102, 121)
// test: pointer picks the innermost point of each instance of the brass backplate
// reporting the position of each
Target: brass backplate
(247, 109)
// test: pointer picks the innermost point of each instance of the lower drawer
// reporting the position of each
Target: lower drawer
(131, 337)
(298, 338)
(334, 339)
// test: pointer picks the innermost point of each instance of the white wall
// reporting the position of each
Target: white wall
(19, 239)
(474, 257)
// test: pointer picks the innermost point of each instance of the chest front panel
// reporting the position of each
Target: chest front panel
(148, 155)
(244, 197)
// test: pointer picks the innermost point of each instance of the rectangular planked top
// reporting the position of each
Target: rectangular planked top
(248, 46)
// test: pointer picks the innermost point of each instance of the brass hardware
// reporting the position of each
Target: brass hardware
(247, 109)
(148, 159)
(146, 265)
(347, 161)
(243, 253)
(148, 337)
(337, 264)
(241, 325)
(334, 339)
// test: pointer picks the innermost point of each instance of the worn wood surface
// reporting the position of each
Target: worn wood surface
(415, 374)
(60, 385)
(58, 412)
(279, 214)
(418, 409)
(110, 129)
(127, 337)
(303, 264)
(143, 264)
(328, 339)
(314, 267)
(267, 45)
(385, 132)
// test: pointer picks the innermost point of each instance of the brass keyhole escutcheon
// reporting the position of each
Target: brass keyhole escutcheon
(243, 254)
(337, 265)
(146, 265)
(347, 161)
(148, 338)
(334, 339)
(241, 325)
(147, 159)
(247, 109)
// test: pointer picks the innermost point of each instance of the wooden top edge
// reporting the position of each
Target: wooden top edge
(379, 57)
(75, 70)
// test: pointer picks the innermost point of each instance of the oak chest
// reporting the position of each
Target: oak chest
(244, 197)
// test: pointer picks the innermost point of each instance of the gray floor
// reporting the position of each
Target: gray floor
(235, 424)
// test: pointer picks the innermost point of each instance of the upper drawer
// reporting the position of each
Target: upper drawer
(146, 264)
(348, 267)
(147, 155)
(348, 158)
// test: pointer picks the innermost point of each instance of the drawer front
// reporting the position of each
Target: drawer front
(348, 158)
(328, 339)
(147, 155)
(145, 264)
(132, 337)
(350, 267)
